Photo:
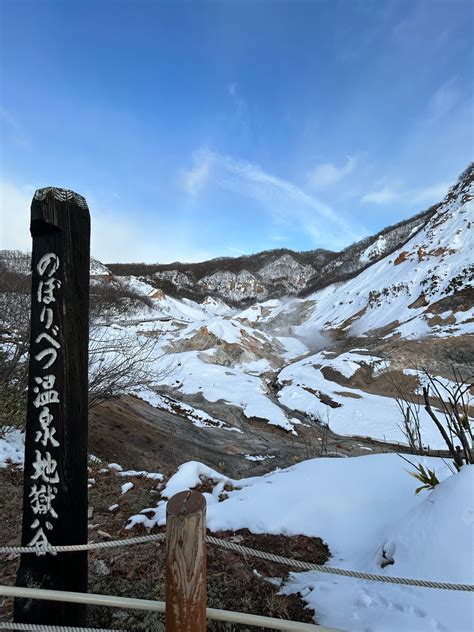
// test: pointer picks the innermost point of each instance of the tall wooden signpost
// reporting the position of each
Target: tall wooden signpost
(55, 484)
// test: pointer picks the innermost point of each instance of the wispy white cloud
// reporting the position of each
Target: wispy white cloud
(380, 196)
(327, 173)
(395, 194)
(14, 130)
(15, 204)
(444, 99)
(285, 202)
(193, 180)
(116, 236)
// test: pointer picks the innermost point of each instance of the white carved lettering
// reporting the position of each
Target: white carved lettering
(39, 541)
(44, 336)
(42, 354)
(41, 499)
(47, 314)
(47, 397)
(50, 260)
(47, 381)
(45, 468)
(46, 434)
(46, 289)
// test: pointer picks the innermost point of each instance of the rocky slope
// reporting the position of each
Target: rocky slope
(337, 355)
(245, 280)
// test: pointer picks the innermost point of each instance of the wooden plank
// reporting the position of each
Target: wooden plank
(186, 580)
(55, 477)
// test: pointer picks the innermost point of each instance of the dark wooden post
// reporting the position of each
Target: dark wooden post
(55, 481)
(186, 581)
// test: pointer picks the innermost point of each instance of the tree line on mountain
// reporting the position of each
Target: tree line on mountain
(252, 263)
(116, 363)
(329, 266)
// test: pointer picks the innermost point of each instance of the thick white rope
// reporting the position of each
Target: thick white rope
(90, 546)
(244, 550)
(39, 627)
(308, 566)
(158, 606)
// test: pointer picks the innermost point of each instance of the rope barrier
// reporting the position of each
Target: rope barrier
(39, 627)
(90, 546)
(308, 566)
(157, 606)
(243, 550)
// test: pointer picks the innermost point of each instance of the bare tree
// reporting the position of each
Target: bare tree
(411, 425)
(14, 336)
(409, 405)
(453, 401)
(447, 402)
(113, 296)
(120, 361)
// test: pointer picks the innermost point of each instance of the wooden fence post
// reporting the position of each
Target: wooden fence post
(186, 580)
(55, 475)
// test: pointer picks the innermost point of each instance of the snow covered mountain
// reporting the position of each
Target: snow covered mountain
(399, 301)
(262, 363)
(330, 354)
(275, 273)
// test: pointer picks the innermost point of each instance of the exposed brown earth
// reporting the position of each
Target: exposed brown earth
(137, 436)
(234, 582)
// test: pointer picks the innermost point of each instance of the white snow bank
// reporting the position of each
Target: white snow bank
(359, 506)
(12, 448)
(294, 347)
(349, 362)
(355, 411)
(155, 476)
(431, 536)
(375, 250)
(191, 375)
(432, 540)
(189, 475)
(256, 367)
(197, 417)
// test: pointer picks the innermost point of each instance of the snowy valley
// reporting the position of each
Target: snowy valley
(260, 377)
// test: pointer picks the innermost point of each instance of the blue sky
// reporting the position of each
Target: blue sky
(203, 129)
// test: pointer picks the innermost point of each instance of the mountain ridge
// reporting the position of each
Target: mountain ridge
(248, 279)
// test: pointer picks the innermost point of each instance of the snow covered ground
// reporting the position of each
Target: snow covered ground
(385, 292)
(353, 411)
(222, 358)
(364, 508)
(197, 417)
(12, 448)
(192, 375)
(237, 356)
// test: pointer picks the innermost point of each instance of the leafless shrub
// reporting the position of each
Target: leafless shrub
(121, 362)
(113, 295)
(448, 403)
(14, 336)
(411, 425)
(316, 443)
(409, 405)
(453, 401)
